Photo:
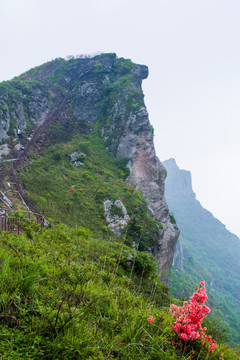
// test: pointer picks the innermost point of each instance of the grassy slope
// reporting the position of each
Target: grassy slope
(49, 177)
(66, 294)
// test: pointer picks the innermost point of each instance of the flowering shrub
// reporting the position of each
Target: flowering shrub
(151, 319)
(189, 317)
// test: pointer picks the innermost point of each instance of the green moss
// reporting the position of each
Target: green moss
(98, 68)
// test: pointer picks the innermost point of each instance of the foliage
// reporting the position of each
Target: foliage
(206, 246)
(189, 317)
(66, 294)
(116, 211)
(122, 165)
(172, 217)
(21, 95)
(152, 129)
(80, 292)
(49, 178)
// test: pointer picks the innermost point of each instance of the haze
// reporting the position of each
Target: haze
(193, 90)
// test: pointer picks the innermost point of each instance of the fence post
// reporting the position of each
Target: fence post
(13, 224)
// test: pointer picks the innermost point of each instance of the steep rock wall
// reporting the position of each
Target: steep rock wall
(147, 174)
(125, 128)
(22, 104)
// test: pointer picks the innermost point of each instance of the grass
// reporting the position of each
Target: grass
(75, 195)
(66, 294)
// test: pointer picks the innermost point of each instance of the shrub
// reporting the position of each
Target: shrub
(116, 211)
(188, 320)
(172, 218)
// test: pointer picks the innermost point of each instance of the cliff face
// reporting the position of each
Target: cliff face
(101, 95)
(21, 104)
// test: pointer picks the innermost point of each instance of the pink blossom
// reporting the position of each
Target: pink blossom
(151, 319)
(189, 317)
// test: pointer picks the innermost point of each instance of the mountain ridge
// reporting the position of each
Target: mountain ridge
(205, 246)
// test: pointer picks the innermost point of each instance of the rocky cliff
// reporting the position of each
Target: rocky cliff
(100, 95)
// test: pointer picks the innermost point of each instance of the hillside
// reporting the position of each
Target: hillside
(67, 294)
(90, 100)
(89, 282)
(205, 249)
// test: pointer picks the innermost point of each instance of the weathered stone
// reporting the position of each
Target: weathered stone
(4, 150)
(115, 222)
(4, 118)
(17, 146)
(78, 163)
(134, 140)
(18, 115)
(16, 105)
(75, 157)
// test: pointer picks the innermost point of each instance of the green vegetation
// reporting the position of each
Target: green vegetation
(98, 68)
(123, 66)
(172, 217)
(75, 195)
(116, 211)
(152, 129)
(66, 294)
(182, 284)
(75, 290)
(208, 251)
(20, 94)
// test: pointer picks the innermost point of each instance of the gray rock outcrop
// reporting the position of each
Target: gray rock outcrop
(20, 105)
(147, 174)
(77, 157)
(116, 221)
(4, 150)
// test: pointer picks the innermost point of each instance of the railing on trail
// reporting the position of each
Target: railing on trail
(15, 222)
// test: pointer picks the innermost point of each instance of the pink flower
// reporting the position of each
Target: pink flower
(189, 317)
(151, 319)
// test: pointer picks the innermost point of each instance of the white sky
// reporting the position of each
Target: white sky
(193, 90)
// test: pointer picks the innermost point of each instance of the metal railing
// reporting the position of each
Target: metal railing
(15, 222)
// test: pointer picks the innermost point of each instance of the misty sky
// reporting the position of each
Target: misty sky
(193, 90)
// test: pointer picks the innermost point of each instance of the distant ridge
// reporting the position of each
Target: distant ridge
(205, 248)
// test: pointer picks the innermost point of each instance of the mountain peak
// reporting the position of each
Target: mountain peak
(102, 98)
(178, 180)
